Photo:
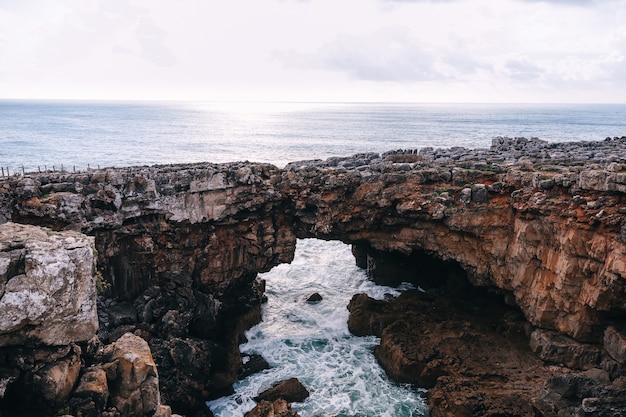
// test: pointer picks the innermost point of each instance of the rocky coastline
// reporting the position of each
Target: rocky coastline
(517, 252)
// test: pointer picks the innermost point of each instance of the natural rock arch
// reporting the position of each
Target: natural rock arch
(535, 220)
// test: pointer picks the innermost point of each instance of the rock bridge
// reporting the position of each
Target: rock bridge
(541, 224)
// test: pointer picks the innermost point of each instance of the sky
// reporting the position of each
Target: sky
(514, 51)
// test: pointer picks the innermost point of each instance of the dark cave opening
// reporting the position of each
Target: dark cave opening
(420, 268)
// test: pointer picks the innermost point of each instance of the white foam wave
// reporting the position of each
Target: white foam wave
(312, 342)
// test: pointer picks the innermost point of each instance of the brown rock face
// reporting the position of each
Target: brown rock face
(180, 246)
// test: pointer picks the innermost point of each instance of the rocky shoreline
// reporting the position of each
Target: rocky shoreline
(519, 250)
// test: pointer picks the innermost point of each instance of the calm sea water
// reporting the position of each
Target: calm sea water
(46, 134)
(310, 342)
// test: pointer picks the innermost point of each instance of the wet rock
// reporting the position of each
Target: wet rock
(470, 352)
(277, 408)
(314, 298)
(290, 390)
(252, 364)
(368, 316)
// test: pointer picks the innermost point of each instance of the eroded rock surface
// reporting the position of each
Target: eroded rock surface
(179, 247)
(47, 289)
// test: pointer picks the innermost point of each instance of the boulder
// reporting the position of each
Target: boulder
(314, 298)
(134, 385)
(290, 390)
(251, 364)
(277, 408)
(615, 344)
(92, 392)
(47, 291)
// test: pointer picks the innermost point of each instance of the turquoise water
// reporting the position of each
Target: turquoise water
(74, 134)
(312, 343)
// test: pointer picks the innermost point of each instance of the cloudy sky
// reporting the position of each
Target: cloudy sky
(315, 50)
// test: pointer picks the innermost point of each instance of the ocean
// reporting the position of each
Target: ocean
(307, 341)
(38, 135)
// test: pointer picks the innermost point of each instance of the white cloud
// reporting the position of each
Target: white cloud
(429, 50)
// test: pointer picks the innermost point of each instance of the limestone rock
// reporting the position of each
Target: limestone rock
(47, 291)
(543, 224)
(135, 389)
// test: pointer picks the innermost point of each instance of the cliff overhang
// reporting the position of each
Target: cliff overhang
(542, 224)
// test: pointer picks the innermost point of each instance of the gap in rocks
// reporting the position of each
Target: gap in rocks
(425, 271)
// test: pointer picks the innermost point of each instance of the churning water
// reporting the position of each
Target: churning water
(312, 341)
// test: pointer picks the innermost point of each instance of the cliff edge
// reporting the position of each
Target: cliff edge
(541, 226)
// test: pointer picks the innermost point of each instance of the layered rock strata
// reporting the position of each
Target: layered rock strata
(541, 224)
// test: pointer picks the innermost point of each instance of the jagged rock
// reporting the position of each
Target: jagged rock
(540, 222)
(37, 381)
(55, 381)
(368, 316)
(469, 350)
(290, 390)
(581, 394)
(252, 364)
(556, 348)
(92, 394)
(47, 291)
(277, 408)
(134, 390)
(615, 344)
(185, 367)
(314, 298)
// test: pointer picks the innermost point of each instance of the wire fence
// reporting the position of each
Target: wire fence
(21, 171)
